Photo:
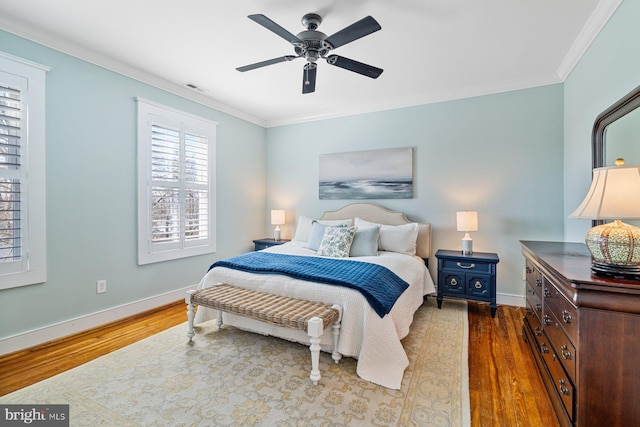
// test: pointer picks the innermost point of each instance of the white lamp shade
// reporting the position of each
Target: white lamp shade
(614, 194)
(277, 216)
(467, 221)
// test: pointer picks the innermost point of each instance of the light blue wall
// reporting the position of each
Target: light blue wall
(499, 154)
(91, 194)
(609, 70)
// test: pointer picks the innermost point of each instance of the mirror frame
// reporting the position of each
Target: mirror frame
(621, 108)
(624, 106)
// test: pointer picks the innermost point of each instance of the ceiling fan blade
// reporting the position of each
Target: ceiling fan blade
(272, 26)
(309, 78)
(359, 29)
(355, 66)
(267, 62)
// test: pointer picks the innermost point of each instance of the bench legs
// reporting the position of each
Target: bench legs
(315, 329)
(190, 315)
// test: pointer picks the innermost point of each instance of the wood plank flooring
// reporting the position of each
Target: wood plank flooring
(504, 385)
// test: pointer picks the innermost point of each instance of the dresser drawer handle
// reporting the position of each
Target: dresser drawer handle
(563, 390)
(453, 282)
(478, 285)
(466, 266)
(538, 332)
(538, 306)
(544, 348)
(566, 354)
(547, 292)
(546, 319)
(538, 282)
(566, 317)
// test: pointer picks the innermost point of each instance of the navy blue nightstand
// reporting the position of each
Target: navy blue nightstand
(261, 244)
(471, 277)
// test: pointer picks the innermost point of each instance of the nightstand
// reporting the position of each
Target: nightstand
(267, 243)
(471, 277)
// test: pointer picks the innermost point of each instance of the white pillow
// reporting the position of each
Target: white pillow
(395, 238)
(336, 241)
(365, 242)
(303, 228)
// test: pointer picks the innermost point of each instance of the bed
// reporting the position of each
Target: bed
(401, 246)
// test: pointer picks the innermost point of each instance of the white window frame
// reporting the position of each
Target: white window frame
(30, 79)
(150, 113)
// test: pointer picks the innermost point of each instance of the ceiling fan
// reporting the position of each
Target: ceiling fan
(313, 44)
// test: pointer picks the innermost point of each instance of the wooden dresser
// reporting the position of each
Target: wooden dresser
(584, 332)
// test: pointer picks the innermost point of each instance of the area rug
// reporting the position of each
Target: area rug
(230, 377)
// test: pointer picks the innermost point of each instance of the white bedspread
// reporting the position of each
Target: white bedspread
(374, 341)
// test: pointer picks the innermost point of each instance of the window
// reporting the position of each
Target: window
(22, 172)
(176, 191)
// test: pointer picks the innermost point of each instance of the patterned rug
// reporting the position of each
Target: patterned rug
(234, 378)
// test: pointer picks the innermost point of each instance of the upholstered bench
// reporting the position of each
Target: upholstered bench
(311, 317)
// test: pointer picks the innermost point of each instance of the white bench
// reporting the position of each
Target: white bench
(311, 317)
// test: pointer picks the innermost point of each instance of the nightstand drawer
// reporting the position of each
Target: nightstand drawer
(453, 283)
(478, 285)
(467, 265)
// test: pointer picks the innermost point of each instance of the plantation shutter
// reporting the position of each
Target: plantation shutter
(11, 178)
(179, 187)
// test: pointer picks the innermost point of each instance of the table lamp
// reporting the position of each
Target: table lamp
(615, 246)
(277, 219)
(467, 221)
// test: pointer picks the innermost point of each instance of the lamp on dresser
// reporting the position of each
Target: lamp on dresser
(277, 219)
(614, 195)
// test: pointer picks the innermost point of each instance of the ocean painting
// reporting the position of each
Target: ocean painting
(373, 174)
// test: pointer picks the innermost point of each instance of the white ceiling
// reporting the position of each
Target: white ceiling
(430, 50)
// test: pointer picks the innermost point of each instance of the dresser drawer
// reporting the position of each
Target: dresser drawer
(563, 385)
(534, 277)
(535, 301)
(468, 265)
(562, 345)
(562, 309)
(535, 324)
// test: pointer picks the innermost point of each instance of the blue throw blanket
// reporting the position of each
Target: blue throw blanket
(379, 285)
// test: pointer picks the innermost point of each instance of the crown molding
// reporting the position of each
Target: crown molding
(596, 22)
(77, 51)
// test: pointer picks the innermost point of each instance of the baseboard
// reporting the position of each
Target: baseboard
(509, 299)
(79, 324)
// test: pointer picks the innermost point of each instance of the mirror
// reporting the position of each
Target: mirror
(616, 133)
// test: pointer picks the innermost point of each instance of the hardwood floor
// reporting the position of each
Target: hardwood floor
(504, 385)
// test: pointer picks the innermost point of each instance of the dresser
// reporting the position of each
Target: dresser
(584, 333)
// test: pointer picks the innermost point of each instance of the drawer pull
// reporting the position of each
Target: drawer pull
(478, 285)
(547, 292)
(544, 348)
(566, 354)
(563, 390)
(538, 332)
(538, 282)
(566, 317)
(453, 282)
(546, 319)
(466, 266)
(538, 306)
(529, 270)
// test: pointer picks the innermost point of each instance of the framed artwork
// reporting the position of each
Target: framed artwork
(372, 174)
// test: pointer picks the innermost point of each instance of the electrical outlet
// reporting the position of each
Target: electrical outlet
(101, 286)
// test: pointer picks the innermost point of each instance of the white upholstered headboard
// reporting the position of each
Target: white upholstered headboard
(380, 215)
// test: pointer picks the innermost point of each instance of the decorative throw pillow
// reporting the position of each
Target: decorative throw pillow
(365, 242)
(336, 241)
(395, 238)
